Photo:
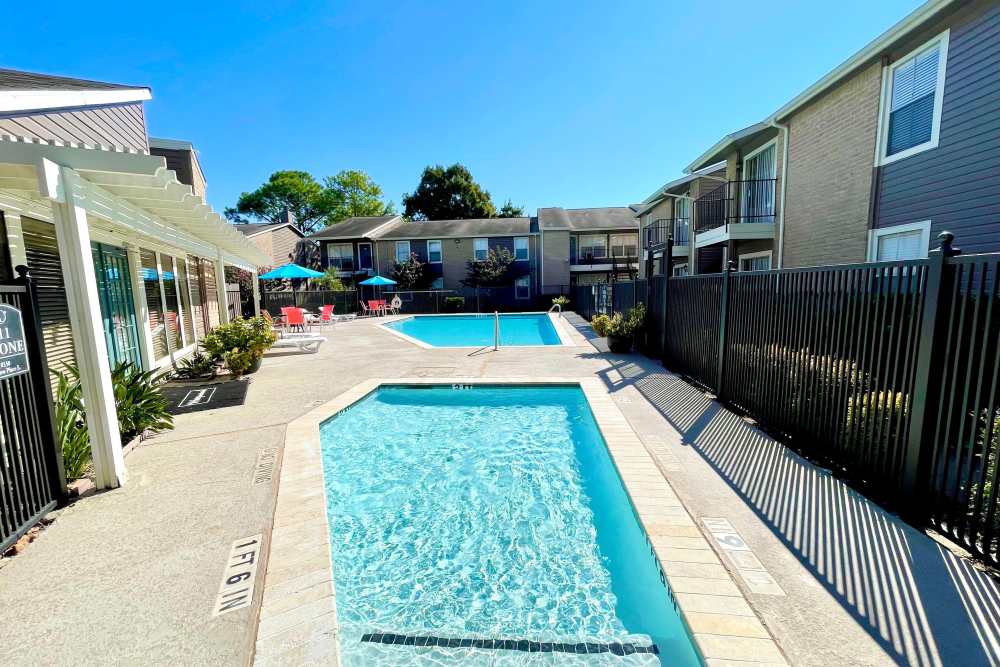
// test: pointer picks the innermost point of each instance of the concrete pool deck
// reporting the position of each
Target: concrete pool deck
(134, 573)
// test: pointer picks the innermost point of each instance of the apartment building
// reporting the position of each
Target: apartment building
(874, 160)
(584, 246)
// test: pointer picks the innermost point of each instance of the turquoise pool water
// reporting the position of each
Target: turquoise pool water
(477, 330)
(488, 526)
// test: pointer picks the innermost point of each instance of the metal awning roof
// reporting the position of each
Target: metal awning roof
(139, 179)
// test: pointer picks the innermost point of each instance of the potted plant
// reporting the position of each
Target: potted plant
(600, 324)
(622, 329)
(241, 344)
(199, 366)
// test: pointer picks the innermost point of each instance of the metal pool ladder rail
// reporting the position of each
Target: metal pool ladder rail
(558, 307)
(496, 330)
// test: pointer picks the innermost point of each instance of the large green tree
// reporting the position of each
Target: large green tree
(355, 194)
(508, 210)
(448, 193)
(295, 191)
(312, 204)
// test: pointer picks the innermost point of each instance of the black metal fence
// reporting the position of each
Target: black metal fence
(887, 373)
(465, 300)
(31, 471)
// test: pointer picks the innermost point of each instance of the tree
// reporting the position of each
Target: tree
(294, 191)
(355, 194)
(448, 194)
(508, 210)
(330, 280)
(497, 270)
(409, 274)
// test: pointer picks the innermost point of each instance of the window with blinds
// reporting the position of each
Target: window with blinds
(910, 121)
(900, 246)
(154, 303)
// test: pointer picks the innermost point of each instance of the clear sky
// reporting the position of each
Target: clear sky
(569, 104)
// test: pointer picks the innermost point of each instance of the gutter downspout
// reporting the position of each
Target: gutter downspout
(784, 184)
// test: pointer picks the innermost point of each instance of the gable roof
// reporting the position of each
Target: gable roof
(353, 228)
(30, 91)
(481, 227)
(585, 219)
(255, 228)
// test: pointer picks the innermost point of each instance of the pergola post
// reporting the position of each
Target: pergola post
(220, 288)
(255, 281)
(73, 237)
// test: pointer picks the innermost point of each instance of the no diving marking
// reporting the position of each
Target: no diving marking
(263, 471)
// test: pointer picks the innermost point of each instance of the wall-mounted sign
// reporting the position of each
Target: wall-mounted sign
(13, 349)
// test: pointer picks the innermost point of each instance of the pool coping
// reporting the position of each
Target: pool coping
(298, 611)
(558, 323)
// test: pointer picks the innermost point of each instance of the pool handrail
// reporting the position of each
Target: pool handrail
(558, 307)
(496, 330)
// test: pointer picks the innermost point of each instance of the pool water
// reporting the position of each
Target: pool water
(488, 526)
(477, 330)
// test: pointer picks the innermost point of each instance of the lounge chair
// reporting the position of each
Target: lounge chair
(326, 315)
(303, 342)
(296, 317)
(276, 324)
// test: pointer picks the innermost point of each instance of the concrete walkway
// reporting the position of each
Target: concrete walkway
(135, 572)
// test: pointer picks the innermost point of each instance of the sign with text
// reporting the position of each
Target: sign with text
(13, 349)
(239, 577)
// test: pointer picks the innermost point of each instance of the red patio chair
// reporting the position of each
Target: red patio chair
(296, 317)
(326, 315)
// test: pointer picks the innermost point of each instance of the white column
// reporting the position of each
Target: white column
(220, 289)
(256, 292)
(145, 334)
(15, 240)
(92, 360)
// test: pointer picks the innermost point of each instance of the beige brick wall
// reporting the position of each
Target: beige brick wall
(555, 258)
(830, 153)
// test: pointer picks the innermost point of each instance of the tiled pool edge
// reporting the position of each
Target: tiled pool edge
(562, 329)
(298, 613)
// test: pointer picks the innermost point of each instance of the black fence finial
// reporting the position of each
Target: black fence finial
(946, 248)
(22, 271)
(731, 265)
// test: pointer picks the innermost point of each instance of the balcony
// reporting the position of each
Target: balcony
(736, 210)
(657, 232)
(604, 262)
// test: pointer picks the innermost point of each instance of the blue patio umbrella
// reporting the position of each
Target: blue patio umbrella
(290, 271)
(378, 281)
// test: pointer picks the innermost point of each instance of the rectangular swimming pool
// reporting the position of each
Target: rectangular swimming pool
(485, 525)
(477, 330)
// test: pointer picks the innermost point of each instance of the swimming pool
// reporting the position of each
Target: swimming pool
(485, 525)
(477, 330)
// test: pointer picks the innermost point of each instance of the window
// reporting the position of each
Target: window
(522, 287)
(437, 283)
(480, 249)
(624, 245)
(757, 196)
(756, 261)
(899, 242)
(402, 251)
(593, 246)
(340, 256)
(521, 249)
(912, 94)
(681, 269)
(434, 252)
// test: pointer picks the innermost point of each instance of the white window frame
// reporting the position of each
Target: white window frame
(522, 282)
(401, 244)
(675, 267)
(527, 254)
(580, 245)
(923, 226)
(331, 246)
(440, 252)
(743, 175)
(754, 255)
(882, 134)
(475, 248)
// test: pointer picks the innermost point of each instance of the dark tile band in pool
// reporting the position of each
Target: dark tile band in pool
(617, 648)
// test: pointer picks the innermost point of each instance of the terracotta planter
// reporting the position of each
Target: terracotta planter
(620, 344)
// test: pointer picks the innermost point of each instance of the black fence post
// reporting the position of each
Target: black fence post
(32, 323)
(723, 317)
(665, 261)
(926, 382)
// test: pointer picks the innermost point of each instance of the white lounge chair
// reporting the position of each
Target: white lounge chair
(304, 342)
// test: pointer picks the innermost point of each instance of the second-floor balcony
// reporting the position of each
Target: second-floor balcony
(736, 202)
(658, 231)
(627, 256)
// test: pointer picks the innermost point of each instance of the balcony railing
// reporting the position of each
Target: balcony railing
(589, 259)
(735, 202)
(658, 231)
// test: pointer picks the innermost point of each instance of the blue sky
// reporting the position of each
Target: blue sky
(548, 103)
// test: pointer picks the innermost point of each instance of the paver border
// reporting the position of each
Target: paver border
(298, 612)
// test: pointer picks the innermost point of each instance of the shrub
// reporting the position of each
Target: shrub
(330, 280)
(454, 304)
(198, 366)
(628, 325)
(240, 343)
(600, 324)
(560, 301)
(71, 425)
(139, 402)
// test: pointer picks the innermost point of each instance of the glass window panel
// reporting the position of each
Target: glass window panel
(521, 248)
(481, 248)
(623, 245)
(154, 304)
(911, 108)
(187, 312)
(434, 251)
(522, 287)
(402, 251)
(171, 310)
(900, 246)
(594, 245)
(340, 256)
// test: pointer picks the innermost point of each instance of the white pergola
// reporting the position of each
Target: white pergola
(121, 197)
